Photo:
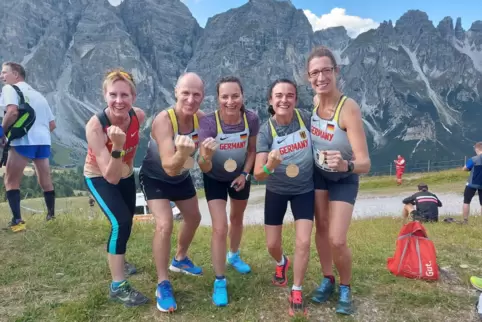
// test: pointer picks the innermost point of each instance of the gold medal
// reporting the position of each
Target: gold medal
(321, 157)
(230, 165)
(292, 170)
(189, 164)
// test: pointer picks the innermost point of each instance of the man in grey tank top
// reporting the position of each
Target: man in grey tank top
(340, 154)
(164, 177)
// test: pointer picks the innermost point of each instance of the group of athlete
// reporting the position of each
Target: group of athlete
(311, 159)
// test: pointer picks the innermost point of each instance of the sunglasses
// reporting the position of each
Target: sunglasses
(121, 73)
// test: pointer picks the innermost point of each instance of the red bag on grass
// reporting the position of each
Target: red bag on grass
(415, 255)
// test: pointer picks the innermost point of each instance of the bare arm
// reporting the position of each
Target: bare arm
(172, 160)
(111, 168)
(352, 121)
(204, 164)
(10, 116)
(52, 125)
(259, 173)
(250, 158)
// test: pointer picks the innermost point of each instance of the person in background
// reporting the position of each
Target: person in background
(226, 171)
(474, 183)
(35, 145)
(399, 168)
(421, 206)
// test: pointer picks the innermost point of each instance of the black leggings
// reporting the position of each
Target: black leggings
(118, 202)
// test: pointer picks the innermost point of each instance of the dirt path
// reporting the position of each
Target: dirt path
(368, 205)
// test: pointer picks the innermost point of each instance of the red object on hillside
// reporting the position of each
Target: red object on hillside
(415, 256)
(399, 168)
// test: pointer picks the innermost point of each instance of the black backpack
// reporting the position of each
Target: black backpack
(26, 118)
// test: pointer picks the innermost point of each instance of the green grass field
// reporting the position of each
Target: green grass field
(57, 271)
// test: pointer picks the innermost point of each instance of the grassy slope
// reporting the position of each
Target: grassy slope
(58, 272)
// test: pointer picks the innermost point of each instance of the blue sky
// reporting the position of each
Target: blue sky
(358, 15)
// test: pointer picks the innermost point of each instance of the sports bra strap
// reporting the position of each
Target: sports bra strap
(338, 108)
(104, 120)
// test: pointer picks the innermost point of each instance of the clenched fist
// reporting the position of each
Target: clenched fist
(335, 161)
(274, 159)
(208, 146)
(116, 135)
(184, 145)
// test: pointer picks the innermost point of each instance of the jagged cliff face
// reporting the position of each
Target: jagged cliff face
(418, 85)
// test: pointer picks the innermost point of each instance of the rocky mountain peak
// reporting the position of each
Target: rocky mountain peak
(414, 19)
(476, 26)
(459, 30)
(416, 84)
(446, 27)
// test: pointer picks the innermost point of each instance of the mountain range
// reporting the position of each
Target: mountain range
(419, 85)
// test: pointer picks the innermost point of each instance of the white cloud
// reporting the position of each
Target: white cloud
(337, 17)
(115, 3)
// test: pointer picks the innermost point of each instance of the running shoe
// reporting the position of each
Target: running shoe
(185, 266)
(237, 263)
(165, 297)
(127, 295)
(296, 303)
(16, 226)
(324, 291)
(220, 293)
(280, 278)
(345, 305)
(476, 282)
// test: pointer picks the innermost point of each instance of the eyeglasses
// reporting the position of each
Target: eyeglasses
(325, 71)
(126, 75)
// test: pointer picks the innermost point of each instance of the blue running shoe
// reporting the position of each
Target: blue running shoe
(345, 305)
(220, 293)
(323, 293)
(165, 297)
(238, 263)
(185, 266)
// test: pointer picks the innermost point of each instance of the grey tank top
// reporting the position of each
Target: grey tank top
(327, 135)
(152, 165)
(295, 148)
(232, 146)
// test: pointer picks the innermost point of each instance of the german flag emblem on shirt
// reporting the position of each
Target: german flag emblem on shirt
(303, 135)
(194, 137)
(244, 136)
(330, 128)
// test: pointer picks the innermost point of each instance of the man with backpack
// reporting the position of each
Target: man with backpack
(474, 182)
(27, 123)
(421, 206)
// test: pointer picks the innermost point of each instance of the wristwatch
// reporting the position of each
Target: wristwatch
(116, 154)
(247, 175)
(351, 166)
